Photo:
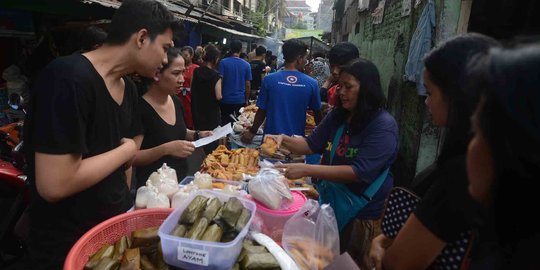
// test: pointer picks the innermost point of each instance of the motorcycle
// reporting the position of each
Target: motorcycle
(14, 195)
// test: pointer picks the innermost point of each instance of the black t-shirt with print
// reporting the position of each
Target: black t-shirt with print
(72, 112)
(158, 132)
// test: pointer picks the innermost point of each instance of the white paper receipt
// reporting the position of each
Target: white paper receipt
(219, 133)
(193, 256)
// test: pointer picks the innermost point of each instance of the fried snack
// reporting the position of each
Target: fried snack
(231, 164)
(310, 120)
(270, 146)
(309, 254)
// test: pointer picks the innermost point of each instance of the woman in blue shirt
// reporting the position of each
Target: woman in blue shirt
(366, 138)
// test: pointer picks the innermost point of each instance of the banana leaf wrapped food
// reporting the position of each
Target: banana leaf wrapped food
(105, 251)
(213, 233)
(242, 220)
(146, 239)
(180, 230)
(212, 208)
(197, 230)
(146, 264)
(107, 263)
(259, 261)
(194, 210)
(231, 211)
(119, 247)
(131, 259)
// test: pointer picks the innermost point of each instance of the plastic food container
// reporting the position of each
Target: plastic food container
(273, 221)
(196, 254)
(189, 179)
(110, 231)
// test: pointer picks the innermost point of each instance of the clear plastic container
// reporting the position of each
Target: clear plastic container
(197, 254)
(273, 221)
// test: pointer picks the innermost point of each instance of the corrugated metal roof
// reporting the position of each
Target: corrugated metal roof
(179, 11)
(175, 9)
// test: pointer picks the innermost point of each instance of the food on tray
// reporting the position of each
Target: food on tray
(309, 254)
(272, 149)
(227, 164)
(269, 146)
(140, 251)
(215, 222)
(246, 118)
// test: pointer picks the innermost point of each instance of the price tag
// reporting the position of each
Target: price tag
(193, 256)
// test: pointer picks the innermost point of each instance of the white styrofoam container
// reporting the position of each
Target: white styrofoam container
(197, 254)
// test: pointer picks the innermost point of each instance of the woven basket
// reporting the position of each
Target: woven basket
(110, 231)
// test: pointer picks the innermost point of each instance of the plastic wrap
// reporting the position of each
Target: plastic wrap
(271, 189)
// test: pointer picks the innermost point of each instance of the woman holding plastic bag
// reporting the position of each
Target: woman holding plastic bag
(166, 138)
(359, 142)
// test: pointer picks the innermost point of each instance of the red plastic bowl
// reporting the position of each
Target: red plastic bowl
(110, 231)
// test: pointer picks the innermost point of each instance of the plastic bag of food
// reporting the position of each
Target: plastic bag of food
(271, 189)
(311, 236)
(203, 180)
(164, 180)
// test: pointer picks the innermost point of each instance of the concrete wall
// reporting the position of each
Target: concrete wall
(387, 45)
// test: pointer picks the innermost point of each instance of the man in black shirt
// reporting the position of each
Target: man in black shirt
(81, 121)
(257, 70)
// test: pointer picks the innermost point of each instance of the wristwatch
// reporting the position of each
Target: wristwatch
(196, 135)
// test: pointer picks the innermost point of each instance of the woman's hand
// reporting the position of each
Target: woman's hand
(205, 133)
(294, 170)
(378, 249)
(179, 148)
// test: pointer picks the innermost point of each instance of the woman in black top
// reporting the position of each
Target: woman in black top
(503, 158)
(206, 94)
(446, 209)
(166, 138)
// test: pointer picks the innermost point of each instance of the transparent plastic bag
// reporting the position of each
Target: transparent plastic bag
(311, 236)
(165, 180)
(270, 188)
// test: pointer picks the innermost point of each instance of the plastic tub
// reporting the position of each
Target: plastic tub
(189, 179)
(110, 231)
(273, 221)
(196, 254)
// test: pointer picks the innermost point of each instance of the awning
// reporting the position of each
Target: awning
(315, 44)
(175, 9)
(231, 31)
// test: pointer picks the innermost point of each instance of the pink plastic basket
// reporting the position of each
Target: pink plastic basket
(110, 231)
(274, 220)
